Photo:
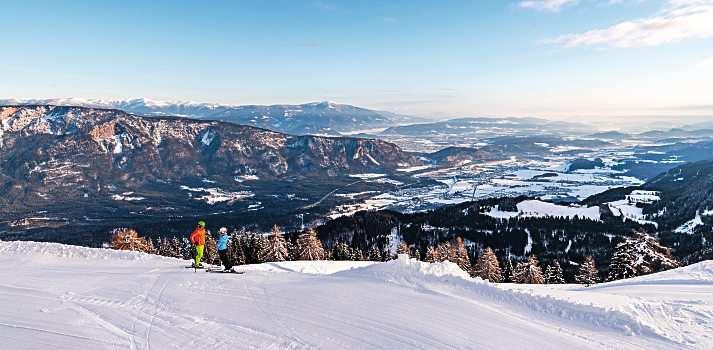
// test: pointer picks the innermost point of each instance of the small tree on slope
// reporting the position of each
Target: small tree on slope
(210, 255)
(309, 247)
(374, 253)
(623, 263)
(554, 274)
(341, 252)
(529, 272)
(459, 255)
(508, 270)
(588, 273)
(237, 253)
(488, 267)
(403, 249)
(357, 254)
(176, 246)
(640, 255)
(128, 239)
(432, 255)
(261, 248)
(277, 246)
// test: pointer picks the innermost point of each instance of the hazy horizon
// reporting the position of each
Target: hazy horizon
(599, 60)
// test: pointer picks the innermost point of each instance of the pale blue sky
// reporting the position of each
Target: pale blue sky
(552, 58)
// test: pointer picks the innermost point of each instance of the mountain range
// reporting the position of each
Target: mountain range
(318, 118)
(58, 164)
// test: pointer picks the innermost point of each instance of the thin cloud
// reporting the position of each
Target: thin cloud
(545, 5)
(679, 20)
(706, 63)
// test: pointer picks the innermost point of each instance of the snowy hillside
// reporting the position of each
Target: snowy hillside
(66, 297)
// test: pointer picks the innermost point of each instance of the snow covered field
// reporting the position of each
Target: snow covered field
(65, 297)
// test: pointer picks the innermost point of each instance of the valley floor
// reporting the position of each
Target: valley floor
(66, 297)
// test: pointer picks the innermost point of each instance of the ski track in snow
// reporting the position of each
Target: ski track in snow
(65, 297)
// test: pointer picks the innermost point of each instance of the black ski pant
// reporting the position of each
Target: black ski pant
(225, 259)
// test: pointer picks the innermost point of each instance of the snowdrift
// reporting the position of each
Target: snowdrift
(435, 276)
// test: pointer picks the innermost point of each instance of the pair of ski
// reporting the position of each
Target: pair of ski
(215, 269)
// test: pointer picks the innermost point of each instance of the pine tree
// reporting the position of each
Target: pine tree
(529, 272)
(432, 255)
(341, 252)
(459, 255)
(176, 248)
(237, 253)
(554, 274)
(508, 270)
(623, 263)
(487, 267)
(261, 249)
(374, 253)
(445, 252)
(210, 254)
(309, 246)
(588, 273)
(186, 250)
(357, 254)
(403, 249)
(164, 247)
(416, 254)
(291, 250)
(276, 247)
(386, 255)
(640, 255)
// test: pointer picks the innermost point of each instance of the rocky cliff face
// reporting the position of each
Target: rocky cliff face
(174, 147)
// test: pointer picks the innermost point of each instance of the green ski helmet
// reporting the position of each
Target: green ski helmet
(201, 223)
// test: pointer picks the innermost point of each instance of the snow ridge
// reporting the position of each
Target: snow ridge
(433, 276)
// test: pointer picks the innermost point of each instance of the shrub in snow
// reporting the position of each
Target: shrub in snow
(528, 272)
(554, 274)
(588, 273)
(128, 239)
(640, 255)
(309, 246)
(488, 267)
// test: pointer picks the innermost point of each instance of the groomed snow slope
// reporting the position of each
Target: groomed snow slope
(65, 297)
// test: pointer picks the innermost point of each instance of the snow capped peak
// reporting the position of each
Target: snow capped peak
(324, 104)
(117, 103)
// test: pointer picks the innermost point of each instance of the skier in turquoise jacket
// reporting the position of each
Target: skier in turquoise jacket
(222, 246)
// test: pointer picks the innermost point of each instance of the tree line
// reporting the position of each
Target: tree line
(638, 255)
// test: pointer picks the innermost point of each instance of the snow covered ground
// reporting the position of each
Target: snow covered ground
(540, 209)
(64, 297)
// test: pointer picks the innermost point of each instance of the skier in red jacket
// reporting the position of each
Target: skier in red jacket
(198, 240)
